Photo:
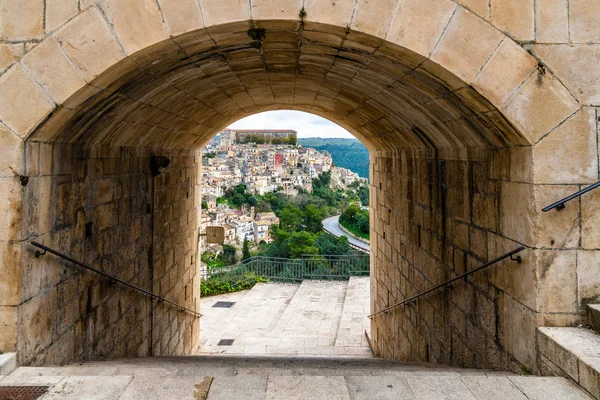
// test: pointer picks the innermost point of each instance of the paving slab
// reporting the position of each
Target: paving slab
(286, 319)
(245, 387)
(439, 388)
(548, 388)
(493, 388)
(89, 388)
(159, 388)
(379, 387)
(307, 388)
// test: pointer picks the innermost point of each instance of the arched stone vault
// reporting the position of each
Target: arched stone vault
(184, 90)
(469, 134)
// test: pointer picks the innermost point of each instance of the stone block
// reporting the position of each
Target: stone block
(136, 27)
(10, 283)
(590, 209)
(9, 54)
(337, 13)
(552, 21)
(373, 18)
(35, 321)
(583, 21)
(517, 215)
(23, 103)
(52, 70)
(575, 163)
(225, 11)
(427, 20)
(575, 65)
(556, 229)
(466, 45)
(523, 326)
(556, 273)
(539, 105)
(58, 12)
(10, 217)
(8, 328)
(181, 16)
(283, 9)
(89, 43)
(589, 374)
(21, 20)
(515, 17)
(105, 216)
(479, 7)
(588, 263)
(505, 71)
(11, 148)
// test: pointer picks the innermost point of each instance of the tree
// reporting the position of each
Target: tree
(313, 218)
(246, 249)
(331, 245)
(302, 243)
(363, 194)
(291, 218)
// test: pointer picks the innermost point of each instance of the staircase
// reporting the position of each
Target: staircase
(243, 377)
(313, 318)
(574, 352)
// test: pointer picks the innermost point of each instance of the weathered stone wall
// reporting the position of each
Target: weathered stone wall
(435, 217)
(470, 74)
(101, 206)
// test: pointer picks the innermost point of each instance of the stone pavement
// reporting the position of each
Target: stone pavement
(314, 318)
(216, 377)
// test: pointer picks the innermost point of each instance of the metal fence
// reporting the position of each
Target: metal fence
(322, 267)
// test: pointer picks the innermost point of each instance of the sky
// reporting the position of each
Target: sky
(307, 125)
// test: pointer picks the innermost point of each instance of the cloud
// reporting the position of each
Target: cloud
(307, 125)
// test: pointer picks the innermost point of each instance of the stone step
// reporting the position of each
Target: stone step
(8, 363)
(594, 316)
(313, 314)
(218, 377)
(572, 352)
(354, 320)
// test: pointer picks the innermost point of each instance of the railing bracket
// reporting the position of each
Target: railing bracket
(39, 254)
(518, 259)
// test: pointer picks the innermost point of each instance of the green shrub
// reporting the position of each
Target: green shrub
(216, 285)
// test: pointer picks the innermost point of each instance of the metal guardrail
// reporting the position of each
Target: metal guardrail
(111, 277)
(510, 255)
(560, 205)
(321, 267)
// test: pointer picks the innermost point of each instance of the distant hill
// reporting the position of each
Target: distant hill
(346, 153)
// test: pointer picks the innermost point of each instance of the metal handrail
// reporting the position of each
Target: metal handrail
(559, 205)
(111, 277)
(416, 296)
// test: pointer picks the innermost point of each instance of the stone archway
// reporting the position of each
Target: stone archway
(465, 127)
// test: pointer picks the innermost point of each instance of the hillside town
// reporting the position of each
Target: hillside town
(265, 161)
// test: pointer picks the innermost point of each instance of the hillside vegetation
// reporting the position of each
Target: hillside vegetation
(346, 153)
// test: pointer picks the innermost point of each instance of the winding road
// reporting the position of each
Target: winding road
(332, 225)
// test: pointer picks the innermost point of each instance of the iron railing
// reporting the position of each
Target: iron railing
(160, 299)
(560, 205)
(321, 267)
(410, 299)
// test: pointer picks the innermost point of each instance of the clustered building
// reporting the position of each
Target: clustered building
(263, 168)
